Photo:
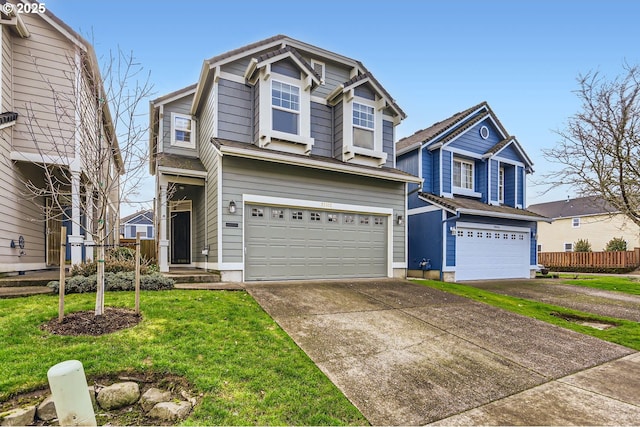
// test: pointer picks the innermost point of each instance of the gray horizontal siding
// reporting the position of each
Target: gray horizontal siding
(387, 141)
(235, 113)
(337, 130)
(321, 130)
(243, 176)
(180, 106)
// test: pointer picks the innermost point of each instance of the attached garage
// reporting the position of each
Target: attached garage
(491, 252)
(290, 242)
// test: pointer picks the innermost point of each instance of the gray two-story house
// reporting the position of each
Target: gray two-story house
(279, 163)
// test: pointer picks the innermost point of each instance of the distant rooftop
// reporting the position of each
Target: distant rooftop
(581, 206)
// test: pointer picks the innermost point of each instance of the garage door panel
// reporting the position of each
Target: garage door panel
(295, 243)
(489, 254)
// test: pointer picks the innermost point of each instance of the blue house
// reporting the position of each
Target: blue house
(139, 222)
(467, 221)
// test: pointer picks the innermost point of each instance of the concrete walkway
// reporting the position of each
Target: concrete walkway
(406, 354)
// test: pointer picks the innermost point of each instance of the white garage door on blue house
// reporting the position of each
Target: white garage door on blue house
(491, 252)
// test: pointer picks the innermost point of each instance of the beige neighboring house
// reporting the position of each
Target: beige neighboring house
(48, 93)
(587, 218)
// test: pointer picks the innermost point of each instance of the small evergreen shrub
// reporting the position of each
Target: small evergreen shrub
(582, 245)
(121, 281)
(616, 244)
(116, 260)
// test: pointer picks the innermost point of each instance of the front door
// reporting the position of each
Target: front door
(181, 237)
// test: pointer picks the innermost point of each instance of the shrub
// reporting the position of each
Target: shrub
(616, 244)
(115, 260)
(121, 281)
(582, 245)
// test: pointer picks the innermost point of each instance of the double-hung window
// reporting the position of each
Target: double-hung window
(463, 174)
(285, 103)
(182, 130)
(363, 126)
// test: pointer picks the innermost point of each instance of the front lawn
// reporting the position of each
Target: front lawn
(247, 369)
(608, 283)
(626, 332)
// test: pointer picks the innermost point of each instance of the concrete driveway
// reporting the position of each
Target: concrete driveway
(406, 354)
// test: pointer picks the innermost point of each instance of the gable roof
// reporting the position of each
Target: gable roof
(280, 54)
(147, 214)
(581, 206)
(468, 206)
(443, 132)
(414, 141)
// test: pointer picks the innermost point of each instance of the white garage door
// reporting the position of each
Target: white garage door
(285, 243)
(483, 253)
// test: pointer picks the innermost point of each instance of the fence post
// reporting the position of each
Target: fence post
(63, 260)
(138, 249)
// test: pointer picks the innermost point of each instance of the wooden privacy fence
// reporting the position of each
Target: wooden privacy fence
(621, 259)
(147, 247)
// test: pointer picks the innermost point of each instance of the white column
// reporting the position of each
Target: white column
(88, 238)
(75, 239)
(163, 242)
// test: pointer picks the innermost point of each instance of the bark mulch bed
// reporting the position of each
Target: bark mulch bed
(87, 323)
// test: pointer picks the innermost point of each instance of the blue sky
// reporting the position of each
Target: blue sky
(434, 57)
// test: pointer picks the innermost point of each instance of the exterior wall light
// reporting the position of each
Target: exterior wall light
(232, 207)
(453, 230)
(400, 220)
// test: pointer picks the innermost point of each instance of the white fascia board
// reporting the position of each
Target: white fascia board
(437, 205)
(495, 124)
(434, 147)
(313, 204)
(322, 53)
(423, 209)
(176, 97)
(465, 153)
(317, 164)
(8, 124)
(408, 148)
(508, 161)
(21, 156)
(499, 215)
(182, 172)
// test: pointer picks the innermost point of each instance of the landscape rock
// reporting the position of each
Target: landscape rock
(170, 411)
(19, 417)
(92, 395)
(152, 397)
(47, 410)
(119, 395)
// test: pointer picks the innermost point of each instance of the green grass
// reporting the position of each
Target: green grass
(247, 369)
(607, 283)
(626, 333)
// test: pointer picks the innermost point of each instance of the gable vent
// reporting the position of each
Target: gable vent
(318, 67)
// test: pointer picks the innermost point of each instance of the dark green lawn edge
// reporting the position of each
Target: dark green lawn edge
(606, 283)
(626, 333)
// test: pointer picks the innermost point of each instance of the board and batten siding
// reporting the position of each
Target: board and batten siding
(43, 67)
(244, 176)
(179, 106)
(210, 159)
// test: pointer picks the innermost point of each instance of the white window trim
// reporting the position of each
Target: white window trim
(360, 155)
(462, 190)
(266, 135)
(182, 144)
(573, 222)
(564, 247)
(501, 182)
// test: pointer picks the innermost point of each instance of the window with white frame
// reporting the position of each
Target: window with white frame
(363, 126)
(182, 130)
(501, 185)
(575, 222)
(568, 247)
(463, 174)
(285, 102)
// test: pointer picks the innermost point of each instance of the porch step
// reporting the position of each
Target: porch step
(30, 278)
(193, 276)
